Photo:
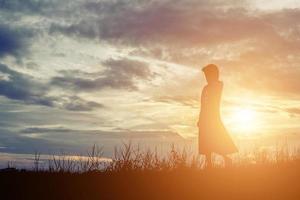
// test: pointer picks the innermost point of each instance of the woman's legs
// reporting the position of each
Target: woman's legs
(227, 160)
(208, 162)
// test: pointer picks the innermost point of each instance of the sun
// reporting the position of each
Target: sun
(245, 115)
(244, 120)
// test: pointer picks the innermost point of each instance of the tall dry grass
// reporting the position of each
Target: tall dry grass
(129, 157)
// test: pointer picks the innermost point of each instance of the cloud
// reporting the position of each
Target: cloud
(191, 101)
(293, 111)
(120, 134)
(22, 87)
(179, 23)
(127, 67)
(118, 74)
(32, 6)
(190, 32)
(75, 103)
(13, 40)
(45, 130)
(276, 79)
(194, 33)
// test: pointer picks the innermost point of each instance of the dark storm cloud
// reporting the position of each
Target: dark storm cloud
(118, 74)
(24, 88)
(13, 41)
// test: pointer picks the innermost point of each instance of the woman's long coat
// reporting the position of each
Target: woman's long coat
(213, 136)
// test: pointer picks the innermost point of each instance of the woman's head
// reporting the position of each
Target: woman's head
(211, 72)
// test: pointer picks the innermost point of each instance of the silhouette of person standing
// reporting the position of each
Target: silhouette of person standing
(213, 136)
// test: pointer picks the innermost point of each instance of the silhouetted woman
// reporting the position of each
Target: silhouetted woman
(213, 137)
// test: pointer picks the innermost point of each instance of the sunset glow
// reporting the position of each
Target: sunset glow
(75, 73)
(245, 120)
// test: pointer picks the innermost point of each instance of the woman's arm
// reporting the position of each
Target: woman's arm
(203, 97)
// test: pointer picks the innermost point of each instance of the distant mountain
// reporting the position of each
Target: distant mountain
(52, 140)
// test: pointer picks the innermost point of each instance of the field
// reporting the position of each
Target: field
(135, 174)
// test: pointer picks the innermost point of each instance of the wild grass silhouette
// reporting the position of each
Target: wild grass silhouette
(133, 173)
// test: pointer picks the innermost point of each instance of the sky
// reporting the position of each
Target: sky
(74, 73)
